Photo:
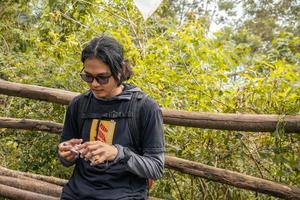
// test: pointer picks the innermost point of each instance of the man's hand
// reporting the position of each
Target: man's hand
(97, 152)
(67, 149)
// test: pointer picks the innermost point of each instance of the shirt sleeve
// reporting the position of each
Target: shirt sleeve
(151, 163)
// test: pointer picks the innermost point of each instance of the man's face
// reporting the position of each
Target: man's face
(108, 86)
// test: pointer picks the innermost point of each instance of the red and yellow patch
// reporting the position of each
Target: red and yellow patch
(102, 130)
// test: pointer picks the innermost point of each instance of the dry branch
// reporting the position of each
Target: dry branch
(233, 178)
(238, 122)
(19, 194)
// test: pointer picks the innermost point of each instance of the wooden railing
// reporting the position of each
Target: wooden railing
(241, 122)
(238, 122)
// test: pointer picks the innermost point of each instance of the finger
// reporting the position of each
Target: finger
(89, 143)
(97, 160)
(83, 152)
(75, 141)
(89, 147)
(93, 147)
(98, 154)
(94, 143)
(82, 146)
(69, 143)
(64, 147)
(71, 157)
(99, 151)
(88, 156)
(74, 151)
(65, 154)
(62, 144)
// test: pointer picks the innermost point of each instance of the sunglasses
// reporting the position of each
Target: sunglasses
(101, 79)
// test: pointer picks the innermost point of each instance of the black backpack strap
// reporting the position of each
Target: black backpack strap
(135, 126)
(84, 104)
(134, 122)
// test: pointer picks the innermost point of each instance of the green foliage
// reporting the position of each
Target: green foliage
(252, 68)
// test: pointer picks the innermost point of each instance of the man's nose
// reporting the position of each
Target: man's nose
(95, 83)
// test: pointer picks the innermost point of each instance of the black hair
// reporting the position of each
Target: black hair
(111, 52)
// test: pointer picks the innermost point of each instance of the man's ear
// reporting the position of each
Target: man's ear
(119, 79)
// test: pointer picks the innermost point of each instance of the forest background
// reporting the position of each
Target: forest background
(223, 56)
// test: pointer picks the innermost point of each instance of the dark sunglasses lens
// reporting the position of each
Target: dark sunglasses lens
(102, 80)
(87, 78)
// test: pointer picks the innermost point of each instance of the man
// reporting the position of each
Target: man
(111, 162)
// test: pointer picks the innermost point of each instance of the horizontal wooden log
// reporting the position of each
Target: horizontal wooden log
(233, 178)
(208, 172)
(41, 178)
(52, 190)
(36, 92)
(23, 175)
(29, 124)
(229, 121)
(19, 194)
(32, 185)
(238, 122)
(218, 175)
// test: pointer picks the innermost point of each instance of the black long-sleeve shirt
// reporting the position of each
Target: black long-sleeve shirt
(125, 177)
